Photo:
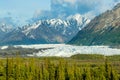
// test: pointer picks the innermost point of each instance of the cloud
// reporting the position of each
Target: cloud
(37, 12)
(70, 1)
(65, 8)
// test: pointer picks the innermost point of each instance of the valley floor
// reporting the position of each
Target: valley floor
(78, 67)
(71, 63)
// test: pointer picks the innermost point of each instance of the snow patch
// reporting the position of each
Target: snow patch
(34, 26)
(4, 47)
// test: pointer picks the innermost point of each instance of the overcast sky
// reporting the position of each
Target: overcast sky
(26, 9)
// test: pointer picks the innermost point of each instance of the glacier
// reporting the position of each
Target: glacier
(69, 50)
(63, 50)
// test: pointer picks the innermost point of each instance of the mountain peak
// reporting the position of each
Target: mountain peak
(117, 6)
(76, 17)
(102, 30)
(47, 31)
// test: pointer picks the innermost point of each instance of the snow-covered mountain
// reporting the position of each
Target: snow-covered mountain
(102, 30)
(47, 31)
(5, 28)
(6, 25)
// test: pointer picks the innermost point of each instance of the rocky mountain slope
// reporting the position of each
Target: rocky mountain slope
(46, 31)
(102, 30)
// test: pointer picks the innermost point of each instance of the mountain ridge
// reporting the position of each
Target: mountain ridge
(102, 30)
(46, 31)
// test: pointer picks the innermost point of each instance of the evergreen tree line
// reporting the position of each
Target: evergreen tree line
(36, 69)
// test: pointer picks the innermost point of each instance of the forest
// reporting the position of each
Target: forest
(77, 67)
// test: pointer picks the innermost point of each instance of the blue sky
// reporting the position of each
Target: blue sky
(26, 9)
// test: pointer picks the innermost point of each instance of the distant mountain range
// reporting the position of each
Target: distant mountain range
(6, 25)
(43, 31)
(78, 30)
(102, 30)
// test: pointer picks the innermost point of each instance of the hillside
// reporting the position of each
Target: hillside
(102, 30)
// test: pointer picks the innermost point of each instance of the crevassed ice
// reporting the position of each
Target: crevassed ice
(68, 50)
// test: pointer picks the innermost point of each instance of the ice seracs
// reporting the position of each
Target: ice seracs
(69, 50)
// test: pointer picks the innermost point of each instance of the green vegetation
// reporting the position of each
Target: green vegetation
(88, 57)
(113, 58)
(104, 29)
(107, 37)
(78, 67)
